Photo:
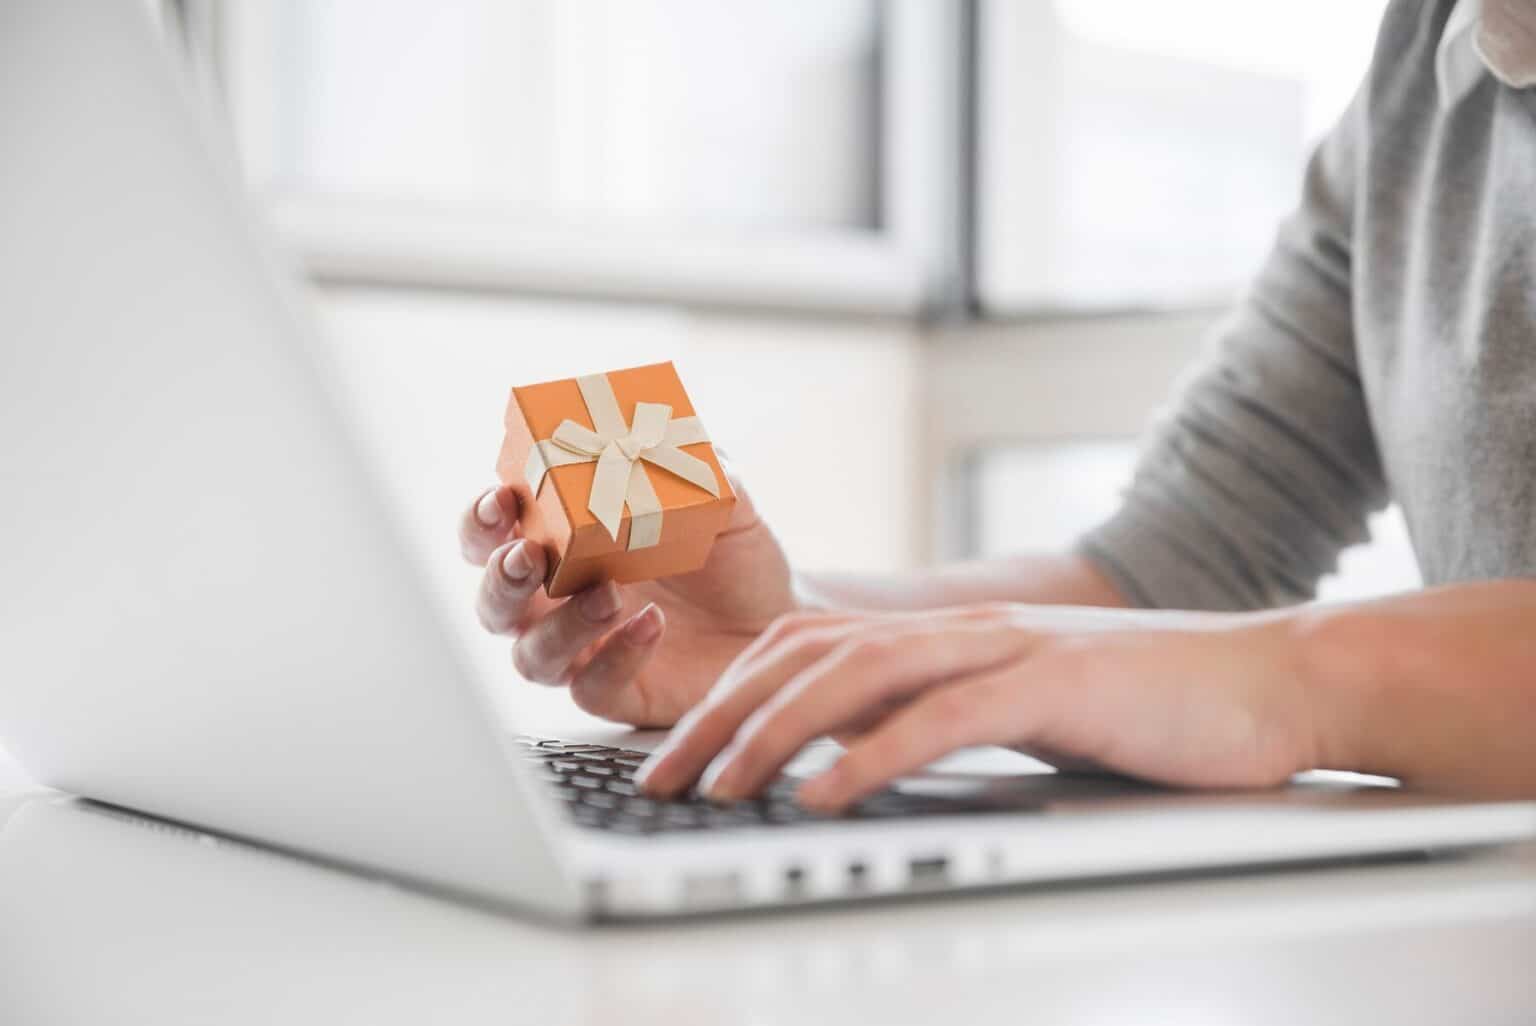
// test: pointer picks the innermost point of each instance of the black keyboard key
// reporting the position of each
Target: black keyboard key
(681, 815)
(786, 812)
(594, 782)
(631, 824)
(588, 816)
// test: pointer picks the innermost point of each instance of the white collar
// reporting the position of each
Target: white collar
(1458, 64)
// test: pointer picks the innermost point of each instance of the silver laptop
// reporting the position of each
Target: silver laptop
(206, 614)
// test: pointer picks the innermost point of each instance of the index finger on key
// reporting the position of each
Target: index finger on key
(487, 523)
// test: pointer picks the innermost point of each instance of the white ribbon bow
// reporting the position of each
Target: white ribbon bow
(618, 449)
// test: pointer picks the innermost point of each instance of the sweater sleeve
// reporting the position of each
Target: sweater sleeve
(1266, 465)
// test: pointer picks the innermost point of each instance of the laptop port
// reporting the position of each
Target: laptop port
(929, 872)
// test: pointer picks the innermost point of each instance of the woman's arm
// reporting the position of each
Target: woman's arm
(1437, 687)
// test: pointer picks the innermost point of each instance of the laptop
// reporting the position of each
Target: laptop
(209, 617)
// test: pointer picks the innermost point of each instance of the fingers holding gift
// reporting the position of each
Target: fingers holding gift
(510, 585)
(642, 471)
(547, 650)
(487, 523)
(859, 680)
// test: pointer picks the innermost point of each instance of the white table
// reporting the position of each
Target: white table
(108, 922)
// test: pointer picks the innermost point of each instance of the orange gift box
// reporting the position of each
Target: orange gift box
(614, 476)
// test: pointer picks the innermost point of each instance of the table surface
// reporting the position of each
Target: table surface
(107, 920)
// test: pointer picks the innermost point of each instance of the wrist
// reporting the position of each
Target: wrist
(1339, 657)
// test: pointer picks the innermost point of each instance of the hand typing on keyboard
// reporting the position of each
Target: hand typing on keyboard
(1196, 700)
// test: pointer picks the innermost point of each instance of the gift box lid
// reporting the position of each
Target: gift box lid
(543, 407)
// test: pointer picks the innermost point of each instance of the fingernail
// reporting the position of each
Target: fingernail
(488, 510)
(648, 768)
(718, 783)
(711, 787)
(644, 772)
(600, 603)
(644, 627)
(516, 564)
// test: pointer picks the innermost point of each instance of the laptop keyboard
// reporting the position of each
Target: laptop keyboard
(596, 785)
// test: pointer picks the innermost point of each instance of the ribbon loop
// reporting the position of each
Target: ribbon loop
(618, 449)
(648, 430)
(572, 437)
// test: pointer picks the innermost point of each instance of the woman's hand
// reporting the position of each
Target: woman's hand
(1210, 701)
(643, 653)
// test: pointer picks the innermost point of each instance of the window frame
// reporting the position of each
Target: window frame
(914, 264)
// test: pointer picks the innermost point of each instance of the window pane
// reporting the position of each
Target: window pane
(1137, 153)
(732, 114)
(1042, 496)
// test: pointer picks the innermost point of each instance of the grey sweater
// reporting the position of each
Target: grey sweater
(1386, 351)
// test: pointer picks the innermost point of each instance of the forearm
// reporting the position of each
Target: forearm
(1436, 687)
(1063, 579)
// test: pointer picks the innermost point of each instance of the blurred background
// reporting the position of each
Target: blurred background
(927, 268)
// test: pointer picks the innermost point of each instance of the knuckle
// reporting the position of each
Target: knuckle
(950, 707)
(721, 696)
(802, 646)
(797, 654)
(988, 612)
(766, 729)
(870, 654)
(789, 625)
(817, 640)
